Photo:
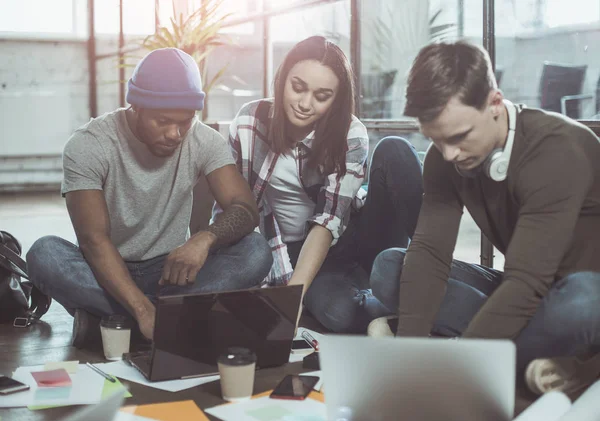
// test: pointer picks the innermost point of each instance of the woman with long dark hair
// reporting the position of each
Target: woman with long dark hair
(304, 155)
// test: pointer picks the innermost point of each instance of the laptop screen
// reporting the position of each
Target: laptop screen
(199, 327)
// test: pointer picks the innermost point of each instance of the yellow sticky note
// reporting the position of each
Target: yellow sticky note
(182, 410)
(70, 366)
(110, 387)
(107, 390)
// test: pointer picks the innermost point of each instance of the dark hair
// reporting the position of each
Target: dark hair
(441, 71)
(331, 131)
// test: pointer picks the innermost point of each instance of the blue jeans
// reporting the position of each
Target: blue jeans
(58, 268)
(567, 323)
(339, 296)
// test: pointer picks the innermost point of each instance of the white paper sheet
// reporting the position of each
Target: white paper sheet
(124, 371)
(86, 389)
(587, 407)
(266, 408)
(549, 407)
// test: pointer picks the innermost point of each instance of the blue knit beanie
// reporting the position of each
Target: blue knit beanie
(167, 78)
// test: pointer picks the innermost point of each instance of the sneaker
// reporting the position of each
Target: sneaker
(383, 326)
(570, 375)
(86, 331)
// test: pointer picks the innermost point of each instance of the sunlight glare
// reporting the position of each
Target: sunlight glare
(560, 12)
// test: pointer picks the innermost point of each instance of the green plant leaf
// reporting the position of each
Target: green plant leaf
(216, 78)
(172, 40)
(197, 34)
(176, 30)
(434, 17)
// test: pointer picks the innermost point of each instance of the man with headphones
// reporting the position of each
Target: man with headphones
(531, 181)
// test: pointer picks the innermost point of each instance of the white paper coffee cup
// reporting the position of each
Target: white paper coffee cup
(116, 335)
(236, 367)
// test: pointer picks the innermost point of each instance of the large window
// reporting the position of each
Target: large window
(69, 17)
(329, 20)
(54, 16)
(548, 55)
(244, 78)
(234, 9)
(138, 17)
(392, 34)
(558, 13)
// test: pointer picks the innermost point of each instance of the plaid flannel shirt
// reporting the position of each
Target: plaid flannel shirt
(333, 196)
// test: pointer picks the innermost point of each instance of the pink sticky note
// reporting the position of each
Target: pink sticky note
(52, 378)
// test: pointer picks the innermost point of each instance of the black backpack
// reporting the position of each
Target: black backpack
(16, 293)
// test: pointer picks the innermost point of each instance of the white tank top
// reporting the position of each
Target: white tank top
(290, 203)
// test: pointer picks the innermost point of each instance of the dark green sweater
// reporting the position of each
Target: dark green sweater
(545, 219)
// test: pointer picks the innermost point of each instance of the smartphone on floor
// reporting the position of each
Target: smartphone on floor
(9, 385)
(294, 387)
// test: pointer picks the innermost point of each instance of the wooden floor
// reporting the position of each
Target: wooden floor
(32, 216)
(28, 217)
(48, 341)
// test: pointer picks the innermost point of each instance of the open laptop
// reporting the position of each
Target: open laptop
(191, 331)
(380, 379)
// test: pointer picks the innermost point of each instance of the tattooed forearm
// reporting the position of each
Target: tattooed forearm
(238, 220)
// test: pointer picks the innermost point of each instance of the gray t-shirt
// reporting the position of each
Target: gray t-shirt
(149, 198)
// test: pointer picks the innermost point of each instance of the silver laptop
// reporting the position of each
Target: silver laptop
(379, 379)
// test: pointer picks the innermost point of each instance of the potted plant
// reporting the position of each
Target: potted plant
(198, 35)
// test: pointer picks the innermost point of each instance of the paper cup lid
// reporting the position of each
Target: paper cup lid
(115, 321)
(237, 356)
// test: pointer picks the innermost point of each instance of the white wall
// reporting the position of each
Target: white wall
(43, 95)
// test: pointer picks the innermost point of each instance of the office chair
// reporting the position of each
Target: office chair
(560, 88)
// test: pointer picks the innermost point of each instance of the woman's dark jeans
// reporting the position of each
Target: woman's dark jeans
(340, 297)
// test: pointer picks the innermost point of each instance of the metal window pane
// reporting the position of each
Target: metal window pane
(138, 17)
(392, 33)
(54, 16)
(243, 80)
(547, 53)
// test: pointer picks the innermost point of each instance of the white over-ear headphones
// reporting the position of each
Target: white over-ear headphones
(496, 164)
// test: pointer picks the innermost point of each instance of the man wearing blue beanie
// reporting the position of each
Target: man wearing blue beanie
(128, 181)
